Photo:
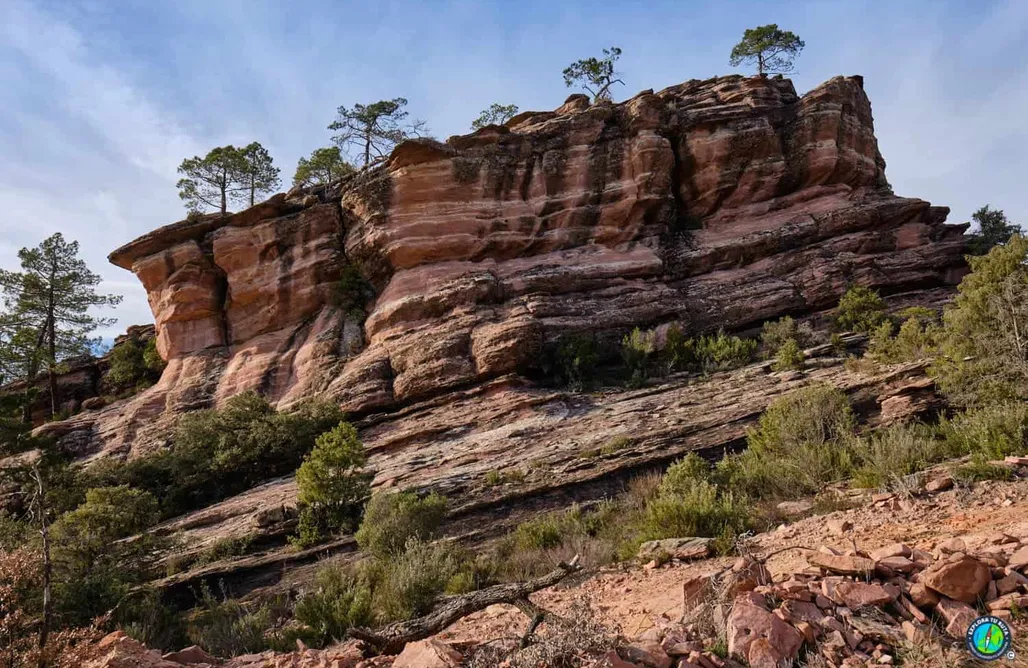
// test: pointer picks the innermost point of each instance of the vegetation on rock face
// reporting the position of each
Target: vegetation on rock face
(392, 520)
(772, 50)
(332, 484)
(776, 333)
(789, 356)
(860, 309)
(323, 166)
(227, 174)
(595, 75)
(496, 114)
(216, 453)
(353, 292)
(133, 366)
(374, 129)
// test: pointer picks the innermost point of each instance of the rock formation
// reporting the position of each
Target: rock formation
(715, 203)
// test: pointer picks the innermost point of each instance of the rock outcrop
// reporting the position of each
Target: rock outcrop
(715, 203)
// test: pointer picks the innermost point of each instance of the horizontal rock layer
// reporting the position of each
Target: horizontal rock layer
(715, 203)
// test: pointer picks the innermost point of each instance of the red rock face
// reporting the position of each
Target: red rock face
(714, 203)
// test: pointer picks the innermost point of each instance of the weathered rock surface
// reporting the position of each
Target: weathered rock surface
(714, 203)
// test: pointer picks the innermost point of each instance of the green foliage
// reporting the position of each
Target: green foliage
(885, 456)
(790, 356)
(995, 431)
(324, 166)
(353, 292)
(984, 351)
(577, 358)
(637, 351)
(540, 534)
(993, 229)
(133, 365)
(339, 599)
(372, 130)
(225, 548)
(496, 114)
(228, 628)
(776, 333)
(217, 453)
(794, 449)
(701, 510)
(47, 310)
(917, 338)
(414, 578)
(771, 49)
(392, 520)
(710, 352)
(979, 469)
(595, 75)
(332, 484)
(92, 571)
(146, 618)
(860, 309)
(227, 174)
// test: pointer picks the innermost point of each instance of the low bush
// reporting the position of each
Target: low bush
(352, 292)
(884, 457)
(577, 359)
(702, 510)
(992, 431)
(710, 352)
(392, 520)
(339, 598)
(789, 356)
(916, 339)
(776, 333)
(795, 448)
(979, 469)
(227, 628)
(133, 365)
(860, 309)
(637, 350)
(414, 578)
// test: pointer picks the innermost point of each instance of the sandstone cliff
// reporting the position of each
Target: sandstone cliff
(715, 203)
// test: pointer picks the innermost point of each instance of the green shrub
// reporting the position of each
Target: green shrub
(917, 337)
(392, 520)
(577, 358)
(993, 431)
(93, 570)
(352, 292)
(146, 618)
(637, 350)
(707, 353)
(227, 628)
(794, 449)
(539, 534)
(775, 334)
(332, 484)
(703, 510)
(133, 365)
(218, 453)
(982, 345)
(414, 578)
(339, 598)
(789, 356)
(684, 474)
(615, 444)
(884, 456)
(225, 548)
(152, 359)
(860, 309)
(979, 469)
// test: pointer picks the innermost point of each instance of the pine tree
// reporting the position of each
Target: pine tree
(596, 75)
(46, 308)
(772, 50)
(324, 165)
(210, 181)
(496, 114)
(257, 175)
(374, 129)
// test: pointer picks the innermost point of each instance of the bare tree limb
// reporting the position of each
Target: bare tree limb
(392, 638)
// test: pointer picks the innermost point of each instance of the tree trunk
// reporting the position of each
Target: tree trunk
(52, 361)
(224, 187)
(44, 531)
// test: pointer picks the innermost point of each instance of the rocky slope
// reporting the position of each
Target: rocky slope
(714, 203)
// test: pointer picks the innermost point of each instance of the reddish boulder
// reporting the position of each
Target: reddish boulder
(962, 578)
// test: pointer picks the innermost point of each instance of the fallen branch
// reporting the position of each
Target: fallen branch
(392, 638)
(537, 616)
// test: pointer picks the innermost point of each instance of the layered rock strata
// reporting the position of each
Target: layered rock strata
(715, 203)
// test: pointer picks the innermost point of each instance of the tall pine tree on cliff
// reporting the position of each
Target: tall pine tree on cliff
(596, 75)
(374, 129)
(46, 309)
(771, 49)
(227, 174)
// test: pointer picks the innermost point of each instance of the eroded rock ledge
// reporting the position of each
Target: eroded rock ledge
(715, 203)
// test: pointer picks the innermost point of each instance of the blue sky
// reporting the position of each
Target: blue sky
(100, 100)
